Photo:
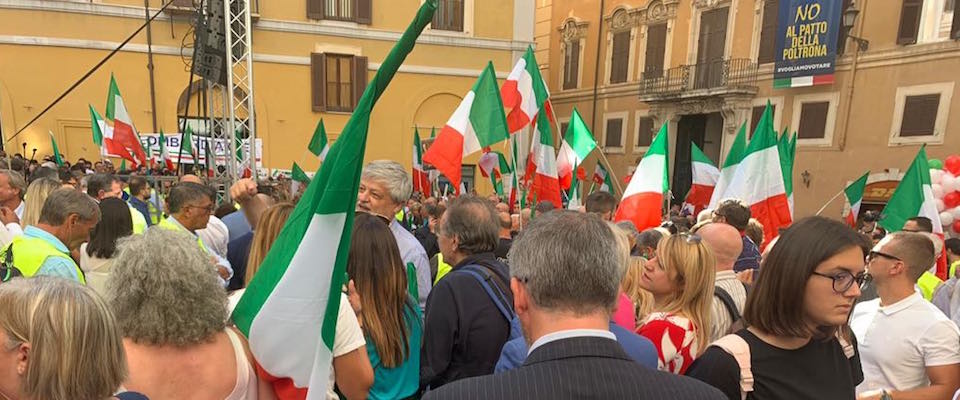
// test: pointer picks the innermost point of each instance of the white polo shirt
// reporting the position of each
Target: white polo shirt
(897, 342)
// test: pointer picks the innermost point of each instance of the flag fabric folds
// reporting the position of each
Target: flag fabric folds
(478, 122)
(577, 144)
(421, 180)
(854, 194)
(642, 200)
(542, 164)
(289, 310)
(524, 92)
(297, 174)
(124, 132)
(56, 150)
(737, 150)
(318, 143)
(704, 179)
(912, 197)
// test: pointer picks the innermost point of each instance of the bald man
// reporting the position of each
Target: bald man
(506, 240)
(730, 294)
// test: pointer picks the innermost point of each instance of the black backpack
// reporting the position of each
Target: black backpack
(7, 270)
(731, 307)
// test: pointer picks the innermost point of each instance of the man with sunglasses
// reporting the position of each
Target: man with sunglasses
(190, 206)
(908, 348)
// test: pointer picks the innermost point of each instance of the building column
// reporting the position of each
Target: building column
(735, 112)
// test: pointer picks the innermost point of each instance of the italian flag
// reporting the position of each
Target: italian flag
(577, 145)
(913, 197)
(602, 178)
(103, 137)
(730, 164)
(524, 92)
(705, 176)
(421, 181)
(542, 164)
(123, 131)
(318, 143)
(494, 165)
(210, 158)
(759, 180)
(186, 143)
(643, 198)
(573, 195)
(164, 153)
(854, 194)
(289, 310)
(478, 122)
(56, 150)
(297, 174)
(787, 148)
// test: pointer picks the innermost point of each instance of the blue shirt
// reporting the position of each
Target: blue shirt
(403, 380)
(639, 348)
(749, 257)
(64, 266)
(411, 251)
(237, 224)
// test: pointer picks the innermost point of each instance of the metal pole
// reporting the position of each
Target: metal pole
(153, 93)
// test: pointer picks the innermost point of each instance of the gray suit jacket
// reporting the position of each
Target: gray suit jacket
(578, 368)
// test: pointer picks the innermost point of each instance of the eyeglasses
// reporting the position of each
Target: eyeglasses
(842, 281)
(209, 209)
(383, 219)
(874, 254)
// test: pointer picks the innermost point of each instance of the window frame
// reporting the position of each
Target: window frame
(351, 61)
(623, 116)
(578, 80)
(761, 14)
(463, 17)
(830, 126)
(945, 89)
(329, 16)
(778, 111)
(630, 49)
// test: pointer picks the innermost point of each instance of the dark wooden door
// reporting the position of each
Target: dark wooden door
(690, 129)
(710, 48)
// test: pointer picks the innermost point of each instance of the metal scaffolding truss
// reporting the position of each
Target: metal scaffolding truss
(231, 109)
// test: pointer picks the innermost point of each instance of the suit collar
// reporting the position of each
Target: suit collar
(577, 347)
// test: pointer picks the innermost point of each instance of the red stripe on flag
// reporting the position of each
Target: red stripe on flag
(282, 387)
(773, 213)
(699, 197)
(643, 209)
(516, 118)
(446, 154)
(547, 189)
(823, 79)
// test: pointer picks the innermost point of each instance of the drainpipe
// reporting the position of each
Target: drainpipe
(842, 139)
(153, 93)
(596, 69)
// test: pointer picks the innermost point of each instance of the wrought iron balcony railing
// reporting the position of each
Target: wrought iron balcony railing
(733, 73)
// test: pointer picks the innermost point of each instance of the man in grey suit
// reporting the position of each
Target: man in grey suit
(565, 275)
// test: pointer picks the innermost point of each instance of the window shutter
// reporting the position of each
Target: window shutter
(813, 120)
(919, 115)
(318, 81)
(909, 21)
(620, 57)
(571, 64)
(315, 9)
(359, 78)
(614, 133)
(955, 28)
(768, 31)
(645, 132)
(656, 47)
(364, 11)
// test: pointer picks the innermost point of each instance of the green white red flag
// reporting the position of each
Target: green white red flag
(577, 144)
(642, 200)
(479, 121)
(854, 194)
(737, 150)
(103, 137)
(124, 132)
(289, 310)
(164, 153)
(421, 180)
(704, 179)
(318, 142)
(913, 197)
(542, 164)
(524, 92)
(602, 177)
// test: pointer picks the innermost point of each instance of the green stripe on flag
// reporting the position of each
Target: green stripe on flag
(578, 136)
(319, 140)
(854, 192)
(486, 113)
(697, 155)
(907, 199)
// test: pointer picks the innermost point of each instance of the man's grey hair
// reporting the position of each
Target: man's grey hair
(65, 201)
(393, 176)
(98, 182)
(164, 290)
(474, 222)
(570, 262)
(187, 192)
(15, 180)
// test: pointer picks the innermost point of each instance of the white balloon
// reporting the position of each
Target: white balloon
(946, 218)
(940, 206)
(937, 190)
(949, 184)
(956, 212)
(936, 176)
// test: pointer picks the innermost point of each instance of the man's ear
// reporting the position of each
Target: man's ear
(521, 302)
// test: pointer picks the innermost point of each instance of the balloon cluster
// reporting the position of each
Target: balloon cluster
(945, 182)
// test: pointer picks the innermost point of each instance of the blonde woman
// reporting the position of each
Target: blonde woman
(264, 234)
(59, 342)
(680, 276)
(36, 195)
(642, 299)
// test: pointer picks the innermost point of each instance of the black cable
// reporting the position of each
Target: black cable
(92, 70)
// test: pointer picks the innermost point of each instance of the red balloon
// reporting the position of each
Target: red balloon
(951, 200)
(952, 164)
(956, 226)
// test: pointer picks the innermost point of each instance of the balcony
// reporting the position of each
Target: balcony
(721, 77)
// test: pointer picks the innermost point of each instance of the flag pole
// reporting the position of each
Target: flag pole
(828, 202)
(603, 157)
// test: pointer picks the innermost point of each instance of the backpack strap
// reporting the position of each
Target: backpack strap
(728, 303)
(740, 350)
(492, 288)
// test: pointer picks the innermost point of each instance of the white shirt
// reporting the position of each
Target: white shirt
(349, 338)
(570, 333)
(19, 210)
(897, 342)
(215, 236)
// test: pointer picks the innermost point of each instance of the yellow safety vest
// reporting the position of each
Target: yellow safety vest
(166, 224)
(30, 253)
(442, 268)
(155, 214)
(139, 222)
(953, 269)
(928, 283)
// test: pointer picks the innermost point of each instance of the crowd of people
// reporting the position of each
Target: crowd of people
(112, 288)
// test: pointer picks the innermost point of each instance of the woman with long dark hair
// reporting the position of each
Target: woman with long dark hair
(389, 316)
(797, 344)
(96, 256)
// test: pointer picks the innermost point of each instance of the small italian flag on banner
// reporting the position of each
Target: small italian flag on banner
(854, 194)
(705, 176)
(289, 310)
(643, 198)
(297, 174)
(56, 150)
(318, 143)
(803, 81)
(479, 121)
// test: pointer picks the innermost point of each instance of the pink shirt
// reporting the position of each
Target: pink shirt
(624, 314)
